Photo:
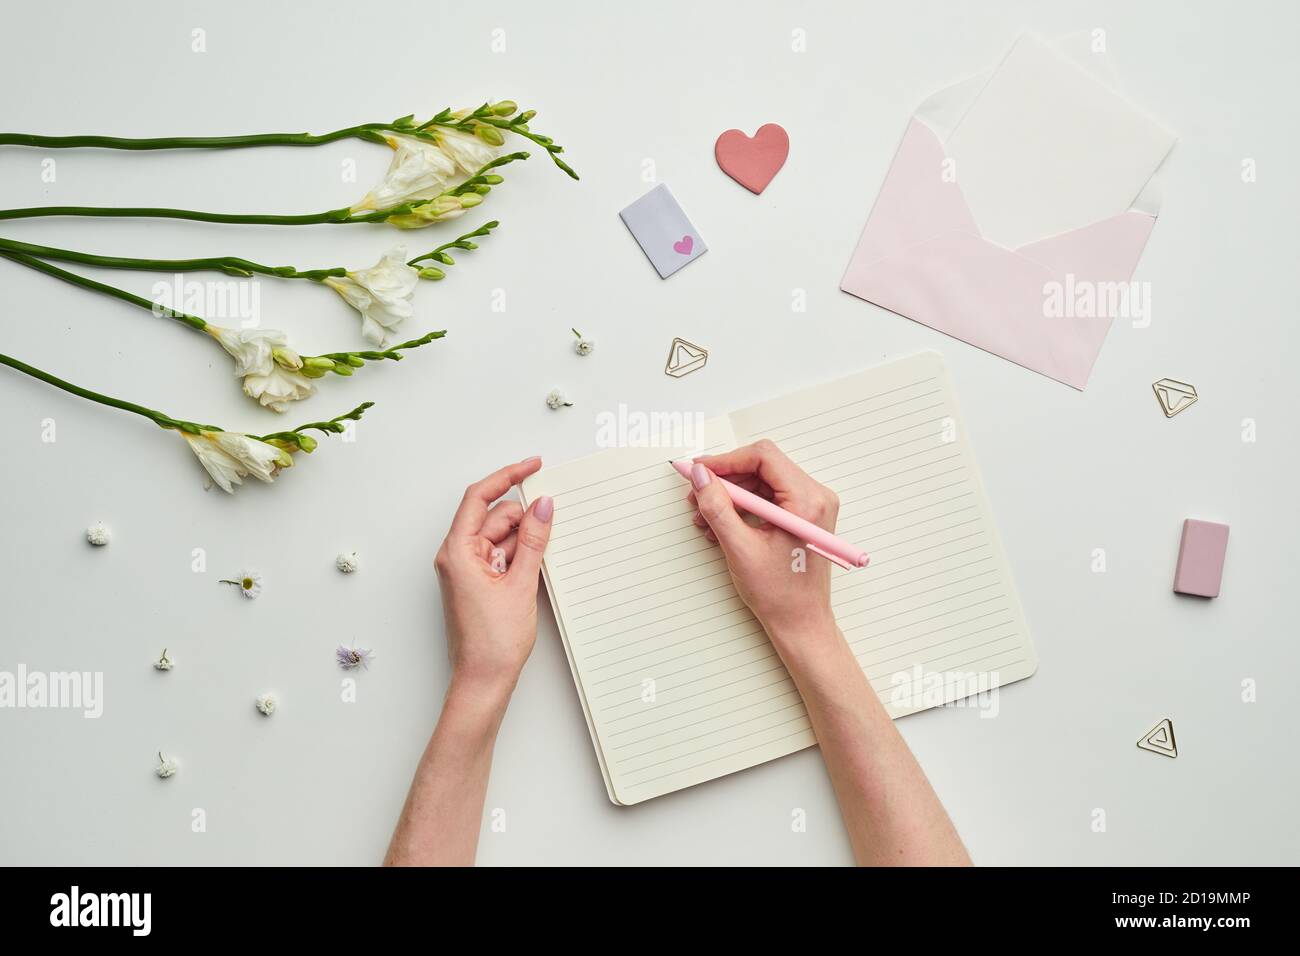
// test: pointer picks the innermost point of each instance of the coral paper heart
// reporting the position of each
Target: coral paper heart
(684, 245)
(753, 162)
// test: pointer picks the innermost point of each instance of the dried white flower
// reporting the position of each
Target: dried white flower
(346, 561)
(98, 535)
(167, 766)
(266, 705)
(164, 663)
(583, 346)
(353, 657)
(556, 400)
(248, 582)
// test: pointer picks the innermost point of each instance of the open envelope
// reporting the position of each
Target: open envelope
(1004, 186)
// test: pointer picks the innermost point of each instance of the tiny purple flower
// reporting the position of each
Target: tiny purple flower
(353, 657)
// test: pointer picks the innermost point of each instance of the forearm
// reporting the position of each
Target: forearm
(440, 821)
(891, 812)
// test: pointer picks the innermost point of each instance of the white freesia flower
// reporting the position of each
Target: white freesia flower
(346, 562)
(419, 170)
(468, 153)
(382, 293)
(98, 535)
(270, 369)
(266, 705)
(229, 457)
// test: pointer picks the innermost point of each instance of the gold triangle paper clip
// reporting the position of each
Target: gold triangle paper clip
(1160, 739)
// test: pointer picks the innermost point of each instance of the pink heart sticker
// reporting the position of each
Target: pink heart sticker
(753, 162)
(684, 245)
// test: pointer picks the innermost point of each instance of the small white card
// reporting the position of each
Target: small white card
(665, 235)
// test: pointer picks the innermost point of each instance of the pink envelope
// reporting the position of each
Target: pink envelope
(923, 256)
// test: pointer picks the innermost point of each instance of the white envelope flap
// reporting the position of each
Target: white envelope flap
(1041, 146)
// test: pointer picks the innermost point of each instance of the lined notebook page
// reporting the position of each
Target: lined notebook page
(935, 617)
(677, 680)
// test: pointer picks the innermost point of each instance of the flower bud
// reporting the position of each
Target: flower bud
(286, 358)
(429, 272)
(306, 443)
(492, 179)
(341, 369)
(504, 108)
(525, 116)
(490, 135)
(356, 361)
(469, 200)
(318, 362)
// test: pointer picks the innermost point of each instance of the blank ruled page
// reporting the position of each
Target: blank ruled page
(935, 616)
(677, 680)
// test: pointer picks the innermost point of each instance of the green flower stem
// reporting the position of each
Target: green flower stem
(393, 353)
(440, 254)
(230, 265)
(480, 182)
(295, 437)
(160, 419)
(193, 142)
(501, 117)
(71, 277)
(330, 217)
(334, 425)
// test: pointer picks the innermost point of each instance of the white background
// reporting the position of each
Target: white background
(621, 86)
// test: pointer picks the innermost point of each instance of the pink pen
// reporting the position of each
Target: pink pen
(833, 549)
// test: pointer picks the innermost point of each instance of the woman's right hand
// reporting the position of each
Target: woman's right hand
(786, 587)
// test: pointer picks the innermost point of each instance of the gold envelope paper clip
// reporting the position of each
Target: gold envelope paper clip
(684, 358)
(1174, 397)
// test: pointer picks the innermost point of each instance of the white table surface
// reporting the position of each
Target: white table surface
(322, 781)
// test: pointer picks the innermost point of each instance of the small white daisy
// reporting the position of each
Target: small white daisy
(266, 705)
(167, 766)
(248, 582)
(98, 535)
(164, 663)
(583, 346)
(346, 561)
(556, 400)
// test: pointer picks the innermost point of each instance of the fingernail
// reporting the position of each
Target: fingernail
(699, 475)
(531, 459)
(544, 508)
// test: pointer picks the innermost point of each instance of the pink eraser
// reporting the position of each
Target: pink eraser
(1200, 558)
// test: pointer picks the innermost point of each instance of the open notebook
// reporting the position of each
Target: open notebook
(677, 679)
